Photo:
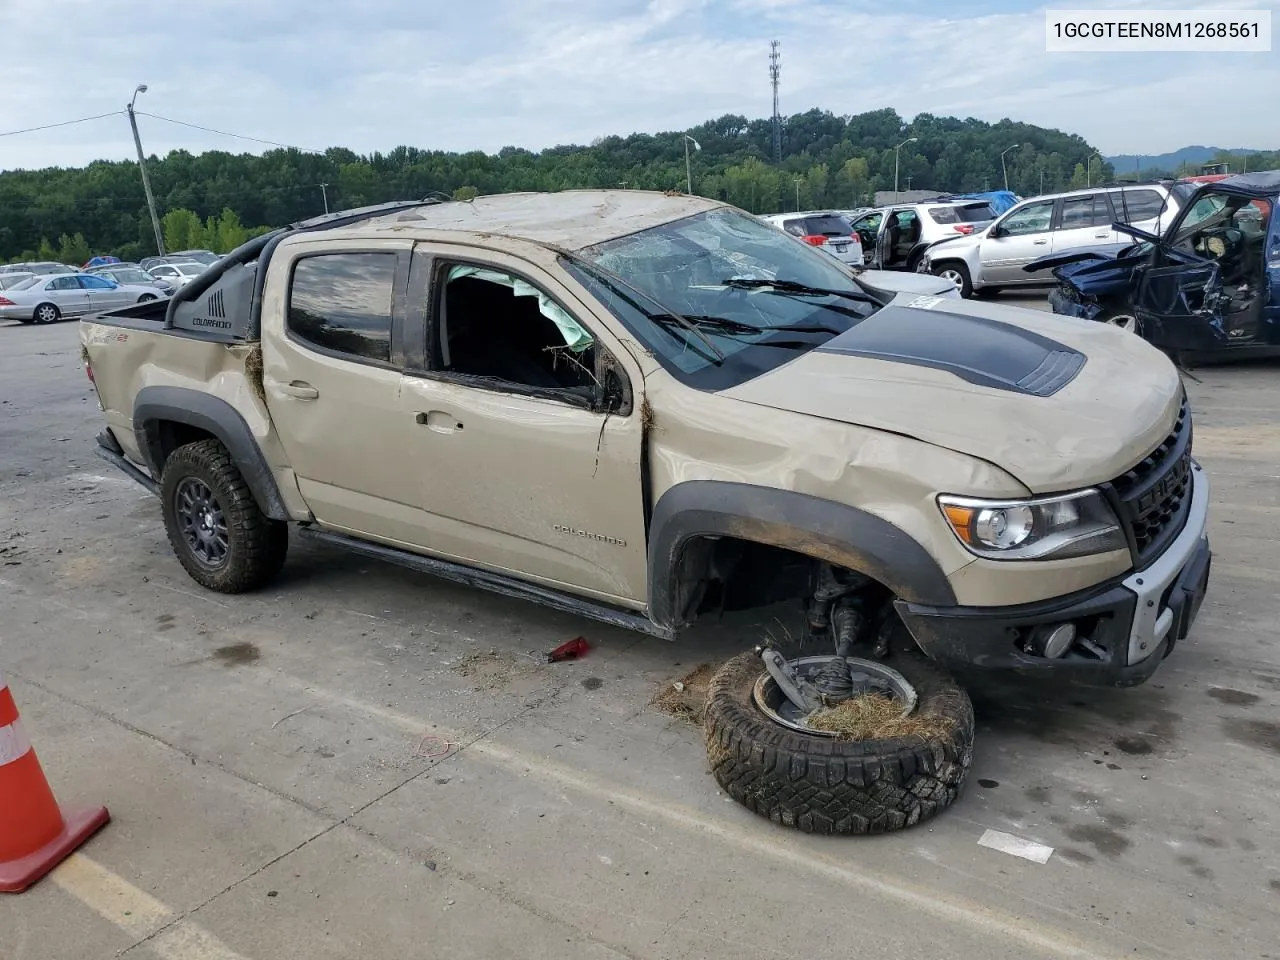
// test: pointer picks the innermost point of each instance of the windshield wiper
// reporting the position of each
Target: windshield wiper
(730, 326)
(791, 286)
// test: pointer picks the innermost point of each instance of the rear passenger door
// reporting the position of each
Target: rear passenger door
(332, 365)
(71, 299)
(1083, 220)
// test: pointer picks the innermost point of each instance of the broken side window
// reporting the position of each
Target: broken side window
(499, 327)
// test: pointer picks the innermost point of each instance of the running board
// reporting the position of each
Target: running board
(109, 449)
(493, 582)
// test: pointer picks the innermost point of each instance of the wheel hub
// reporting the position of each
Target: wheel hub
(776, 695)
(201, 522)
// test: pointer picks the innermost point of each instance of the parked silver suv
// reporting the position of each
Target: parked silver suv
(993, 258)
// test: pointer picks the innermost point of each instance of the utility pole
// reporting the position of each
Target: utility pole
(688, 170)
(1004, 169)
(797, 179)
(775, 73)
(895, 164)
(909, 179)
(142, 165)
(325, 193)
(1042, 181)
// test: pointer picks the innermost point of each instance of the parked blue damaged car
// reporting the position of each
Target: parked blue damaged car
(1209, 288)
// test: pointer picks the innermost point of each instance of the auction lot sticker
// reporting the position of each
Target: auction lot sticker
(1157, 31)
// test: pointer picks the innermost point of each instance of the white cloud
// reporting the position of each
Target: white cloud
(534, 73)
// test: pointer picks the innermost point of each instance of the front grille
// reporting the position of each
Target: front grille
(1153, 497)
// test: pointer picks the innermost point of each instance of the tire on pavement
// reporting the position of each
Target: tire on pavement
(253, 545)
(46, 313)
(957, 273)
(822, 785)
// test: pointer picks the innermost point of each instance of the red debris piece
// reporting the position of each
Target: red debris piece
(569, 651)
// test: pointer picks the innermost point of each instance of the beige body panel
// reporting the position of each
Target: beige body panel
(1063, 442)
(553, 494)
(126, 360)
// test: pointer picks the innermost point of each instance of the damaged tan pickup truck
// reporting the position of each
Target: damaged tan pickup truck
(643, 407)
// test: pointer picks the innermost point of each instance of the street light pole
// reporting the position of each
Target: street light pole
(688, 170)
(1088, 173)
(895, 164)
(142, 165)
(797, 182)
(325, 193)
(1003, 168)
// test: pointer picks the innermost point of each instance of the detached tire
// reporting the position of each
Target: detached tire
(214, 525)
(823, 785)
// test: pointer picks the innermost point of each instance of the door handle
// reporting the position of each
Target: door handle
(1039, 243)
(437, 420)
(299, 390)
(1102, 236)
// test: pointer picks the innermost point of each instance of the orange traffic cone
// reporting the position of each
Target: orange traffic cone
(34, 835)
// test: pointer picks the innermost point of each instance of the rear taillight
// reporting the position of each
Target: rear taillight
(88, 371)
(6, 302)
(965, 228)
(814, 239)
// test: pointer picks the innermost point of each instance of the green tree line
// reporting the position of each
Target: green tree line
(827, 161)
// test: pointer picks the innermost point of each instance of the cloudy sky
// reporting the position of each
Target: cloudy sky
(452, 75)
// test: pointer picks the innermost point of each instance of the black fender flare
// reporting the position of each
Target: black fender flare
(823, 529)
(156, 405)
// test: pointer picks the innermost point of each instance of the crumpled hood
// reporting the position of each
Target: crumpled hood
(1055, 401)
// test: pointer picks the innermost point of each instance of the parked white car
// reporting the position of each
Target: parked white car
(48, 298)
(178, 274)
(992, 258)
(827, 229)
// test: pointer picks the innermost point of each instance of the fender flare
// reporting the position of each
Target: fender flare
(835, 532)
(157, 405)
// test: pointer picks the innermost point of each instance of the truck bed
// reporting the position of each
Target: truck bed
(150, 317)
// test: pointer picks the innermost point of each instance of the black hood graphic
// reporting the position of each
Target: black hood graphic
(979, 350)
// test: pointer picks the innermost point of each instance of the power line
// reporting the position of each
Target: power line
(64, 123)
(224, 133)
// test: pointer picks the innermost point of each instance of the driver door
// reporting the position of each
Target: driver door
(1179, 306)
(522, 463)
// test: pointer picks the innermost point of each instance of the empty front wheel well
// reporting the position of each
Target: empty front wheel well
(722, 574)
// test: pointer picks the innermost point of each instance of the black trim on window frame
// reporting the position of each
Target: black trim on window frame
(399, 298)
(426, 285)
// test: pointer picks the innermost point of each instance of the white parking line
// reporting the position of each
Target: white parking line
(137, 913)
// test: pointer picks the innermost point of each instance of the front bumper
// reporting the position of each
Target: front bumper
(1129, 625)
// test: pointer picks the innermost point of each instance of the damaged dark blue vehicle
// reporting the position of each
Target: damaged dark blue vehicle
(1209, 288)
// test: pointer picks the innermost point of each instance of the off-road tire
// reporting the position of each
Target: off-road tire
(821, 785)
(257, 544)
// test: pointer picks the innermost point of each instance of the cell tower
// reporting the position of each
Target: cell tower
(775, 71)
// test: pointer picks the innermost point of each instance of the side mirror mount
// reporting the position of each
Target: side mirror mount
(615, 393)
(997, 231)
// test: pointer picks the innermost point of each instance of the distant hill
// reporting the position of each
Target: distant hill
(1197, 154)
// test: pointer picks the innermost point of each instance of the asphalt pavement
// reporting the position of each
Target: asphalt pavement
(365, 762)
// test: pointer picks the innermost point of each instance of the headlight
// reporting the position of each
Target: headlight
(1046, 528)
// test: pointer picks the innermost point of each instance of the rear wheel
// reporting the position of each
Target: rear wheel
(817, 783)
(46, 313)
(956, 273)
(146, 298)
(220, 536)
